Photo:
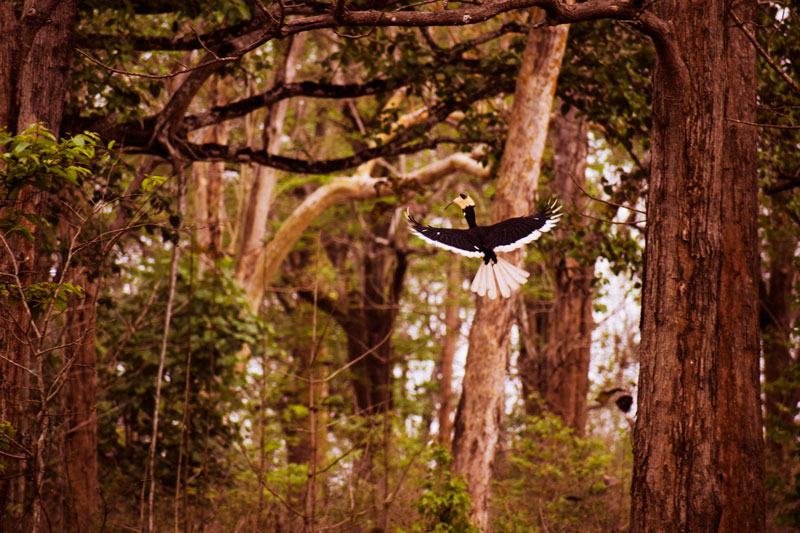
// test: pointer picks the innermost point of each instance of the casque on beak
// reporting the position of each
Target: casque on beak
(462, 201)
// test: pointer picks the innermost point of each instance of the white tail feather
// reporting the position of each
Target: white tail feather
(475, 282)
(501, 275)
(492, 294)
(480, 284)
(518, 274)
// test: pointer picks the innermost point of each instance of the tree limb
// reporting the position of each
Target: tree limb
(337, 191)
(279, 92)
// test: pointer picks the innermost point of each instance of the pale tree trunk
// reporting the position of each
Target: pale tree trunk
(207, 178)
(559, 373)
(265, 178)
(480, 409)
(698, 447)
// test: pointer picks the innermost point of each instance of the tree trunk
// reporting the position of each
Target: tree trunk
(208, 200)
(698, 449)
(369, 324)
(34, 56)
(563, 372)
(480, 409)
(452, 326)
(265, 178)
(80, 443)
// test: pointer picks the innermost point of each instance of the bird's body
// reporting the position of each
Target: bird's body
(485, 241)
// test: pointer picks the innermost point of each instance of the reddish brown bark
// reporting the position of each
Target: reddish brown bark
(81, 424)
(698, 449)
(34, 56)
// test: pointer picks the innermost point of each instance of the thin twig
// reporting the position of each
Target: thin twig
(173, 279)
(773, 126)
(632, 223)
(764, 53)
(186, 70)
(541, 516)
(270, 489)
(571, 177)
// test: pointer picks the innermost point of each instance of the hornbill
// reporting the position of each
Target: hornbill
(485, 241)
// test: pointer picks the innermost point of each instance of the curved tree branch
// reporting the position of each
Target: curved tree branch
(289, 90)
(337, 191)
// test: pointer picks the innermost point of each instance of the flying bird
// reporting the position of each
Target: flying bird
(485, 241)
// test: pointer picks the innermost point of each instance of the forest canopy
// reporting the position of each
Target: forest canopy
(213, 316)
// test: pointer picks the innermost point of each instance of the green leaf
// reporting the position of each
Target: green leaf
(18, 149)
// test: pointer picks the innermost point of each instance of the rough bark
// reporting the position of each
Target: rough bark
(34, 57)
(698, 449)
(80, 442)
(480, 409)
(561, 373)
(368, 317)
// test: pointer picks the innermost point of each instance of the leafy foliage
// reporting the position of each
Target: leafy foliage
(444, 504)
(552, 478)
(210, 327)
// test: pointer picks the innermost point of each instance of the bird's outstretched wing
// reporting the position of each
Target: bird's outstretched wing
(454, 240)
(512, 233)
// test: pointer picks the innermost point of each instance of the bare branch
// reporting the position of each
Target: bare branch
(763, 53)
(571, 177)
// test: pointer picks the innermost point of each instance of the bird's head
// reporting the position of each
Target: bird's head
(462, 200)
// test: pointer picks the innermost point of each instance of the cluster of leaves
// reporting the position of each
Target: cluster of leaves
(42, 296)
(7, 432)
(778, 101)
(117, 34)
(444, 504)
(438, 74)
(609, 78)
(35, 158)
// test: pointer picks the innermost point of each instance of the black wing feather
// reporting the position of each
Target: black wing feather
(513, 230)
(513, 233)
(460, 241)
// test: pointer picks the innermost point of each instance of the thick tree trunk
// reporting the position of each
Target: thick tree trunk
(369, 325)
(562, 378)
(698, 449)
(480, 409)
(34, 56)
